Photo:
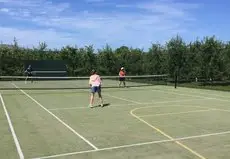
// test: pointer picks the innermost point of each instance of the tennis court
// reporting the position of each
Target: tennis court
(138, 122)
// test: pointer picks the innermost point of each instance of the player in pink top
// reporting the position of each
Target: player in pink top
(95, 85)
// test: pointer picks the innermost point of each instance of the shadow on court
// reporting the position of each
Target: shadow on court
(105, 105)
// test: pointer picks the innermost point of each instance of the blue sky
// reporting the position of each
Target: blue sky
(136, 23)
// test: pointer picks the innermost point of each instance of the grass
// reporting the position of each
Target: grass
(132, 118)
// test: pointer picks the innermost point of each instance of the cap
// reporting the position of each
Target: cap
(122, 68)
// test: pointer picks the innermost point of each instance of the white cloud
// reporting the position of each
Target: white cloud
(6, 10)
(166, 7)
(148, 21)
(37, 7)
(29, 38)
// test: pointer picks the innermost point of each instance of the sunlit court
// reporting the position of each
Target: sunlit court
(114, 79)
(141, 121)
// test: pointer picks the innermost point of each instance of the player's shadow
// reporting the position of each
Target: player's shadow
(105, 105)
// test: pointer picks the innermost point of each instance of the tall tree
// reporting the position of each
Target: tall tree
(176, 49)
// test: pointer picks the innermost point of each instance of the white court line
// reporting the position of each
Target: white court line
(188, 94)
(160, 131)
(192, 95)
(166, 135)
(68, 108)
(225, 110)
(139, 103)
(151, 103)
(205, 91)
(157, 106)
(132, 145)
(127, 100)
(215, 95)
(118, 105)
(173, 92)
(135, 145)
(20, 153)
(185, 112)
(204, 97)
(66, 125)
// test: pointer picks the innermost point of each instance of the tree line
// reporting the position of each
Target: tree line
(204, 59)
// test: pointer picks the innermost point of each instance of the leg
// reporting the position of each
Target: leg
(91, 100)
(121, 81)
(124, 83)
(31, 78)
(92, 96)
(100, 96)
(26, 79)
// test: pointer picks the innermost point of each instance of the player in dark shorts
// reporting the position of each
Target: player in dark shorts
(95, 87)
(122, 77)
(29, 73)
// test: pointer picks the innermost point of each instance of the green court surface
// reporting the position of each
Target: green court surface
(149, 122)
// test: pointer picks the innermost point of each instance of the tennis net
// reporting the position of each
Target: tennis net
(44, 83)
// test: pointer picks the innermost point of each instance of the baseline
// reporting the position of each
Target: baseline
(135, 145)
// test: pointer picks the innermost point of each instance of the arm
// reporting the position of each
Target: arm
(100, 80)
(26, 71)
(90, 81)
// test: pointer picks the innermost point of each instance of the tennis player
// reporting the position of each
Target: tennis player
(122, 74)
(95, 86)
(29, 72)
